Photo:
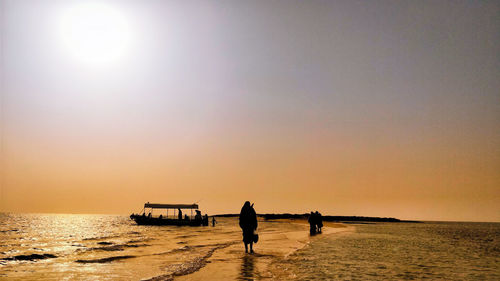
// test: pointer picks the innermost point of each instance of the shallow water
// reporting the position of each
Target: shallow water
(106, 247)
(55, 247)
(392, 251)
(101, 247)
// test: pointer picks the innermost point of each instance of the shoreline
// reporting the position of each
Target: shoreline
(232, 263)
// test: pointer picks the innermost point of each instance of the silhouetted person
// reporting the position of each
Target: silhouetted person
(319, 221)
(213, 221)
(312, 223)
(186, 218)
(248, 224)
(180, 214)
(205, 220)
(197, 217)
(161, 216)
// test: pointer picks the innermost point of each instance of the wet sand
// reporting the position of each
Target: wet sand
(232, 263)
(103, 247)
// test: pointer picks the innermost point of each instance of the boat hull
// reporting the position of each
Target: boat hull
(143, 220)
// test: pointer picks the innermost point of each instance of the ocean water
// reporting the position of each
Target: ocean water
(102, 247)
(400, 251)
(108, 247)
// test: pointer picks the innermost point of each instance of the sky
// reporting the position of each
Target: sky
(368, 108)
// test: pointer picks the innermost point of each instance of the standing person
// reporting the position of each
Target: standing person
(319, 221)
(180, 213)
(312, 223)
(213, 221)
(198, 217)
(248, 224)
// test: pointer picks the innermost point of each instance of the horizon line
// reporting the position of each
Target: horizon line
(122, 214)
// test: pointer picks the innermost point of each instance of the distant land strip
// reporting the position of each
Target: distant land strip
(325, 218)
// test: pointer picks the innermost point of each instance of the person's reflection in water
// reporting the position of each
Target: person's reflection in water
(247, 268)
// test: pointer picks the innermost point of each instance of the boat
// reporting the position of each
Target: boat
(175, 217)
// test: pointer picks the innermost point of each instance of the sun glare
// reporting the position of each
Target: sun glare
(94, 33)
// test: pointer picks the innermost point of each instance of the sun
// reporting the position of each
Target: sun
(94, 33)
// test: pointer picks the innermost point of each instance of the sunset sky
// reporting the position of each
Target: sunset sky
(371, 108)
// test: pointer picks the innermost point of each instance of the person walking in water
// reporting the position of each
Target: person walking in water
(319, 221)
(248, 224)
(312, 223)
(213, 221)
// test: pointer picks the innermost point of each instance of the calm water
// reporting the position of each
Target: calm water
(431, 250)
(98, 247)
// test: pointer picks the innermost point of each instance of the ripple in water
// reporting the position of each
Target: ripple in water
(392, 251)
(53, 247)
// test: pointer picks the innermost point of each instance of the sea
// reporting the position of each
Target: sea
(110, 247)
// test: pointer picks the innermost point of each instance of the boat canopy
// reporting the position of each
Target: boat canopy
(170, 206)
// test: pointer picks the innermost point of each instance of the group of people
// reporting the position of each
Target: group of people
(197, 217)
(315, 222)
(248, 224)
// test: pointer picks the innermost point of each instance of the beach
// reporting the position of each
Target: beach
(110, 247)
(105, 247)
(277, 240)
